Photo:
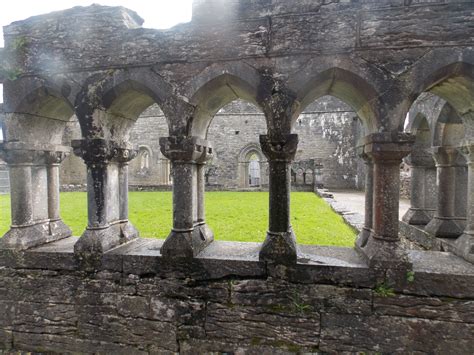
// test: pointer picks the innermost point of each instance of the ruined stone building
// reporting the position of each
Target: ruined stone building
(328, 132)
(406, 68)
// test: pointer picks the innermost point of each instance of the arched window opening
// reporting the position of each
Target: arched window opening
(254, 171)
(144, 160)
(328, 130)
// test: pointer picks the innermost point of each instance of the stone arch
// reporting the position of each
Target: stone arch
(348, 87)
(244, 160)
(421, 129)
(449, 128)
(40, 116)
(453, 82)
(109, 105)
(215, 94)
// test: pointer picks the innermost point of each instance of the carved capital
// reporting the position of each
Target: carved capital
(390, 147)
(207, 152)
(467, 149)
(24, 154)
(421, 157)
(283, 149)
(184, 149)
(95, 151)
(447, 156)
(125, 154)
(55, 157)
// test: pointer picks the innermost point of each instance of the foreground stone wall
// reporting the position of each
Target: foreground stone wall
(137, 302)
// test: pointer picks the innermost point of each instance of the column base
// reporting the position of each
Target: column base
(59, 229)
(417, 216)
(279, 248)
(205, 233)
(380, 254)
(95, 242)
(22, 238)
(187, 244)
(363, 238)
(445, 227)
(464, 247)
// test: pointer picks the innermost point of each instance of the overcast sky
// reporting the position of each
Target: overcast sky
(156, 13)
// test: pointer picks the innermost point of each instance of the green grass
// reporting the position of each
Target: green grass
(237, 216)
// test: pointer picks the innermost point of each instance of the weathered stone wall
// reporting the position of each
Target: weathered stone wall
(328, 131)
(138, 302)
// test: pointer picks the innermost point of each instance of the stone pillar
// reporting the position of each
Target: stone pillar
(124, 155)
(184, 153)
(445, 223)
(34, 196)
(364, 234)
(383, 249)
(105, 193)
(205, 233)
(280, 243)
(421, 161)
(464, 245)
(56, 225)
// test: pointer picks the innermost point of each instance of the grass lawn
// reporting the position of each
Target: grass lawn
(237, 216)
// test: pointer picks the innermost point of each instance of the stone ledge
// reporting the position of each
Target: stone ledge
(417, 235)
(434, 273)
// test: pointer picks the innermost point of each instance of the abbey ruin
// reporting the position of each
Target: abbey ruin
(92, 76)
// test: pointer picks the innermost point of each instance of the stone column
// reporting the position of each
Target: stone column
(56, 225)
(445, 224)
(200, 226)
(104, 227)
(464, 245)
(184, 152)
(280, 243)
(364, 234)
(32, 204)
(386, 150)
(124, 156)
(419, 213)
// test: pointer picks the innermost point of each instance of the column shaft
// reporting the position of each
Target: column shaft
(445, 223)
(464, 245)
(382, 249)
(386, 200)
(280, 244)
(201, 182)
(53, 192)
(21, 191)
(183, 219)
(123, 191)
(279, 191)
(107, 196)
(190, 234)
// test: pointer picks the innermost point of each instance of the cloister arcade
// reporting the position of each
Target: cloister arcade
(107, 104)
(108, 70)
